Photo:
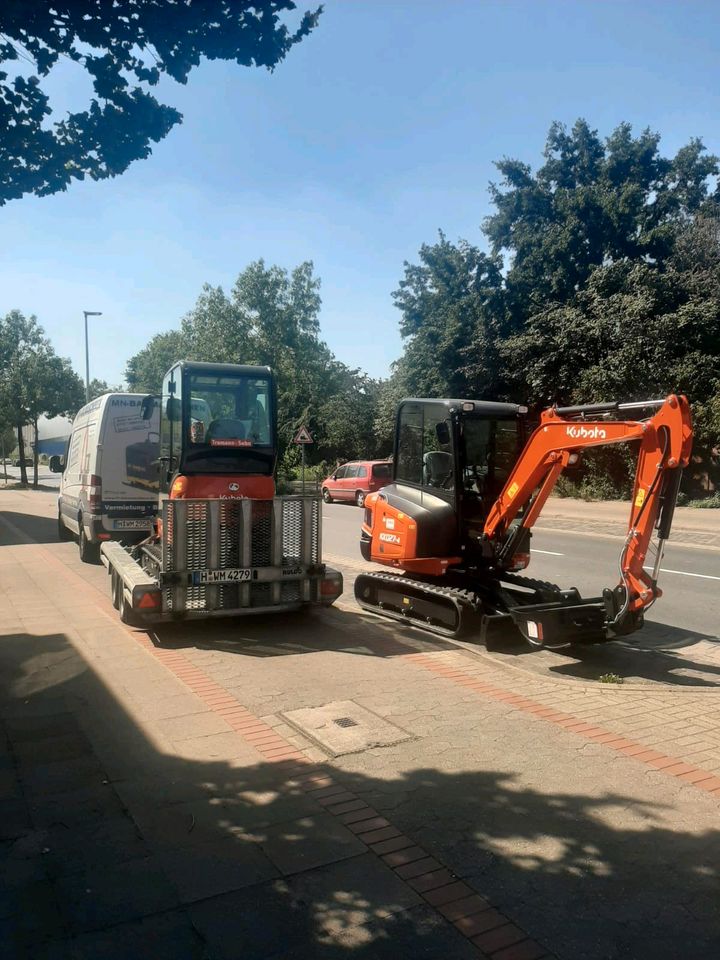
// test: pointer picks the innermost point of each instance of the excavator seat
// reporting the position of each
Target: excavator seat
(437, 468)
(226, 429)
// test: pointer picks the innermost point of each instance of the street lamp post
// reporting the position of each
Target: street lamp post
(86, 314)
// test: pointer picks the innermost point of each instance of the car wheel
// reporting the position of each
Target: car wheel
(326, 495)
(89, 552)
(63, 532)
(360, 498)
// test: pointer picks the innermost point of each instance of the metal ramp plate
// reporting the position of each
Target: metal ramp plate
(343, 727)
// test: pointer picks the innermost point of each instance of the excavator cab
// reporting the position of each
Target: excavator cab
(218, 431)
(452, 459)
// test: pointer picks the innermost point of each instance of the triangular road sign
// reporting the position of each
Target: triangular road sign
(303, 436)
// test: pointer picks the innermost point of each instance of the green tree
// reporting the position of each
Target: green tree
(591, 202)
(145, 370)
(451, 315)
(601, 283)
(126, 47)
(33, 379)
(52, 388)
(99, 387)
(271, 317)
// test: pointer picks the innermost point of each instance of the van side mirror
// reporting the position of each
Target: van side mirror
(57, 464)
(147, 407)
(442, 432)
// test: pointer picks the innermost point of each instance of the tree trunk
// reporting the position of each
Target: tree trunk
(21, 454)
(35, 456)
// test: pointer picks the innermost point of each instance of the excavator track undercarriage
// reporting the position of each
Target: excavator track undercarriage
(493, 612)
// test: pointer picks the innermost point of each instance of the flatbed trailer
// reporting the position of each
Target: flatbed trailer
(224, 558)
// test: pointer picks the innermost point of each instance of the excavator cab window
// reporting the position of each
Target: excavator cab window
(489, 449)
(425, 456)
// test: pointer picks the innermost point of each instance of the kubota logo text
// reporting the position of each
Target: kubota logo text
(583, 433)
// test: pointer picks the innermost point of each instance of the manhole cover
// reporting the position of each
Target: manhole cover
(345, 727)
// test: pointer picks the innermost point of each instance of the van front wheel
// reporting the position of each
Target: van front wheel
(89, 552)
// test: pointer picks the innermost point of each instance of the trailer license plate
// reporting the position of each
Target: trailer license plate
(238, 575)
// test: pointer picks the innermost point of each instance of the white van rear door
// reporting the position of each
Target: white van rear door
(129, 456)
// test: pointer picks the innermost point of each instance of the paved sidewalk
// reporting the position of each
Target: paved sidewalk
(158, 799)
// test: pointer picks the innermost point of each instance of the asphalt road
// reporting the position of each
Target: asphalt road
(690, 578)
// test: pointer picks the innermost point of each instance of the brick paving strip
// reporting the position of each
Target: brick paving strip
(673, 766)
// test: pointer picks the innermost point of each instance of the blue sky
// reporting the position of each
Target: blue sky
(378, 130)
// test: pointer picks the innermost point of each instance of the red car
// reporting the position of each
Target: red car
(353, 481)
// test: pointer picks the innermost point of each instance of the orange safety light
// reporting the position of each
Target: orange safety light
(177, 490)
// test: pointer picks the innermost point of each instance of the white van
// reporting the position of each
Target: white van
(109, 484)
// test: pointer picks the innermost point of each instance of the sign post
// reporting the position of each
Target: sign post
(303, 438)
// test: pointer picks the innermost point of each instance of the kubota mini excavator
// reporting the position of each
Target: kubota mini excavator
(466, 492)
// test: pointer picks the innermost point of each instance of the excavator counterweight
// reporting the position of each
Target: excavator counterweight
(455, 524)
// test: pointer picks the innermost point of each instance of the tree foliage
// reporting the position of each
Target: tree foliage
(602, 282)
(34, 381)
(271, 317)
(125, 47)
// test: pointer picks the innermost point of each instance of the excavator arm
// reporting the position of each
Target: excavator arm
(665, 446)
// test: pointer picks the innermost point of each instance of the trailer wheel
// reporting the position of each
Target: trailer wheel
(115, 587)
(127, 614)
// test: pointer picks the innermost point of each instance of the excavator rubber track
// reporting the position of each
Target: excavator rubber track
(494, 615)
(443, 611)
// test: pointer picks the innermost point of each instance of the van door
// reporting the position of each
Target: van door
(127, 465)
(70, 481)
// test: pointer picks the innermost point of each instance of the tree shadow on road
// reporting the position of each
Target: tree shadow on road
(115, 848)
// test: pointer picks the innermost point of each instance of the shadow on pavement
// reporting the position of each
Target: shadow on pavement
(39, 529)
(312, 631)
(114, 849)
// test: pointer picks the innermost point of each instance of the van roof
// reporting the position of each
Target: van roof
(99, 402)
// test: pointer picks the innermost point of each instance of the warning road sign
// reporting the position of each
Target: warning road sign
(303, 436)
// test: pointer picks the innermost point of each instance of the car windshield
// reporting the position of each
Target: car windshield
(229, 411)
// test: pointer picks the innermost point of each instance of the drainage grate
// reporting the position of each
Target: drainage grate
(345, 722)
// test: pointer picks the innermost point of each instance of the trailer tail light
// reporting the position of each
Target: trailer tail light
(149, 600)
(331, 586)
(95, 494)
(520, 561)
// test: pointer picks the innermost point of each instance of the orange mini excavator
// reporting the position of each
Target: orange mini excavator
(467, 489)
